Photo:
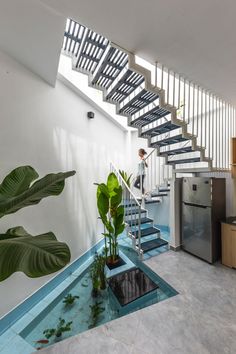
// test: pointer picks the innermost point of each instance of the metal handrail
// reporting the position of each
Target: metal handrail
(126, 185)
(133, 224)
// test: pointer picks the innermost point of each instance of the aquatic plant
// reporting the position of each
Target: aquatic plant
(109, 197)
(69, 299)
(97, 273)
(96, 311)
(61, 328)
(34, 255)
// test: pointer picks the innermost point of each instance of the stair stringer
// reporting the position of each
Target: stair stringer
(132, 65)
(172, 109)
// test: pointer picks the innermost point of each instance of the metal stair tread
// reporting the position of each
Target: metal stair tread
(152, 201)
(138, 102)
(170, 140)
(134, 211)
(152, 244)
(161, 129)
(159, 194)
(187, 160)
(146, 232)
(181, 150)
(164, 189)
(149, 117)
(145, 220)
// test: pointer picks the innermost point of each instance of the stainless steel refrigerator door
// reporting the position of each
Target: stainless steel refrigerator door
(197, 190)
(196, 231)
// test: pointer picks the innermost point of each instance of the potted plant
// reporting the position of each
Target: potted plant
(69, 299)
(57, 332)
(109, 198)
(126, 177)
(34, 255)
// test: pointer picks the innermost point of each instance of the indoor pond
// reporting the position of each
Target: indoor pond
(131, 286)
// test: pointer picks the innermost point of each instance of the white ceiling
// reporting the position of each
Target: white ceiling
(196, 38)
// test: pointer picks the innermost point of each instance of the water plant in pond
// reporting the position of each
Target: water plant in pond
(61, 328)
(69, 299)
(34, 255)
(109, 197)
(97, 273)
(96, 310)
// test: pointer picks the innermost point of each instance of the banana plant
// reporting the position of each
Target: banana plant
(109, 197)
(20, 251)
(126, 177)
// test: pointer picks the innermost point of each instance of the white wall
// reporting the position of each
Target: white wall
(48, 128)
(32, 33)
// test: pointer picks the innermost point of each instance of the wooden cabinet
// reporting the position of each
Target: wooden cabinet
(233, 157)
(228, 235)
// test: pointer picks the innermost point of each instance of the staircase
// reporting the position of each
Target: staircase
(139, 226)
(128, 85)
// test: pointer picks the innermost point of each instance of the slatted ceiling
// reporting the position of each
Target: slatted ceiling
(73, 37)
(141, 100)
(149, 117)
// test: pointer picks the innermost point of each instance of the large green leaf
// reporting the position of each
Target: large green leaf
(103, 204)
(117, 197)
(17, 181)
(112, 183)
(34, 255)
(16, 194)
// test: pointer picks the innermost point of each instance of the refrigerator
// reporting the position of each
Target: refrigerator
(203, 208)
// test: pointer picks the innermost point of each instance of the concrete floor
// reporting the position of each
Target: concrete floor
(200, 320)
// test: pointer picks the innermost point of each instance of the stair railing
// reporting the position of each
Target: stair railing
(132, 208)
(157, 172)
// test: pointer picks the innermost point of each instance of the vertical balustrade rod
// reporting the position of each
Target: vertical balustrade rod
(209, 130)
(168, 83)
(162, 74)
(201, 136)
(189, 101)
(193, 110)
(197, 115)
(179, 91)
(206, 122)
(217, 133)
(224, 126)
(213, 129)
(184, 104)
(227, 139)
(173, 90)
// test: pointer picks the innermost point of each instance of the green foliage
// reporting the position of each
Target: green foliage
(34, 255)
(109, 197)
(97, 273)
(69, 299)
(125, 177)
(61, 328)
(96, 311)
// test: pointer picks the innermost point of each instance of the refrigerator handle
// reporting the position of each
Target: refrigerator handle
(195, 205)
